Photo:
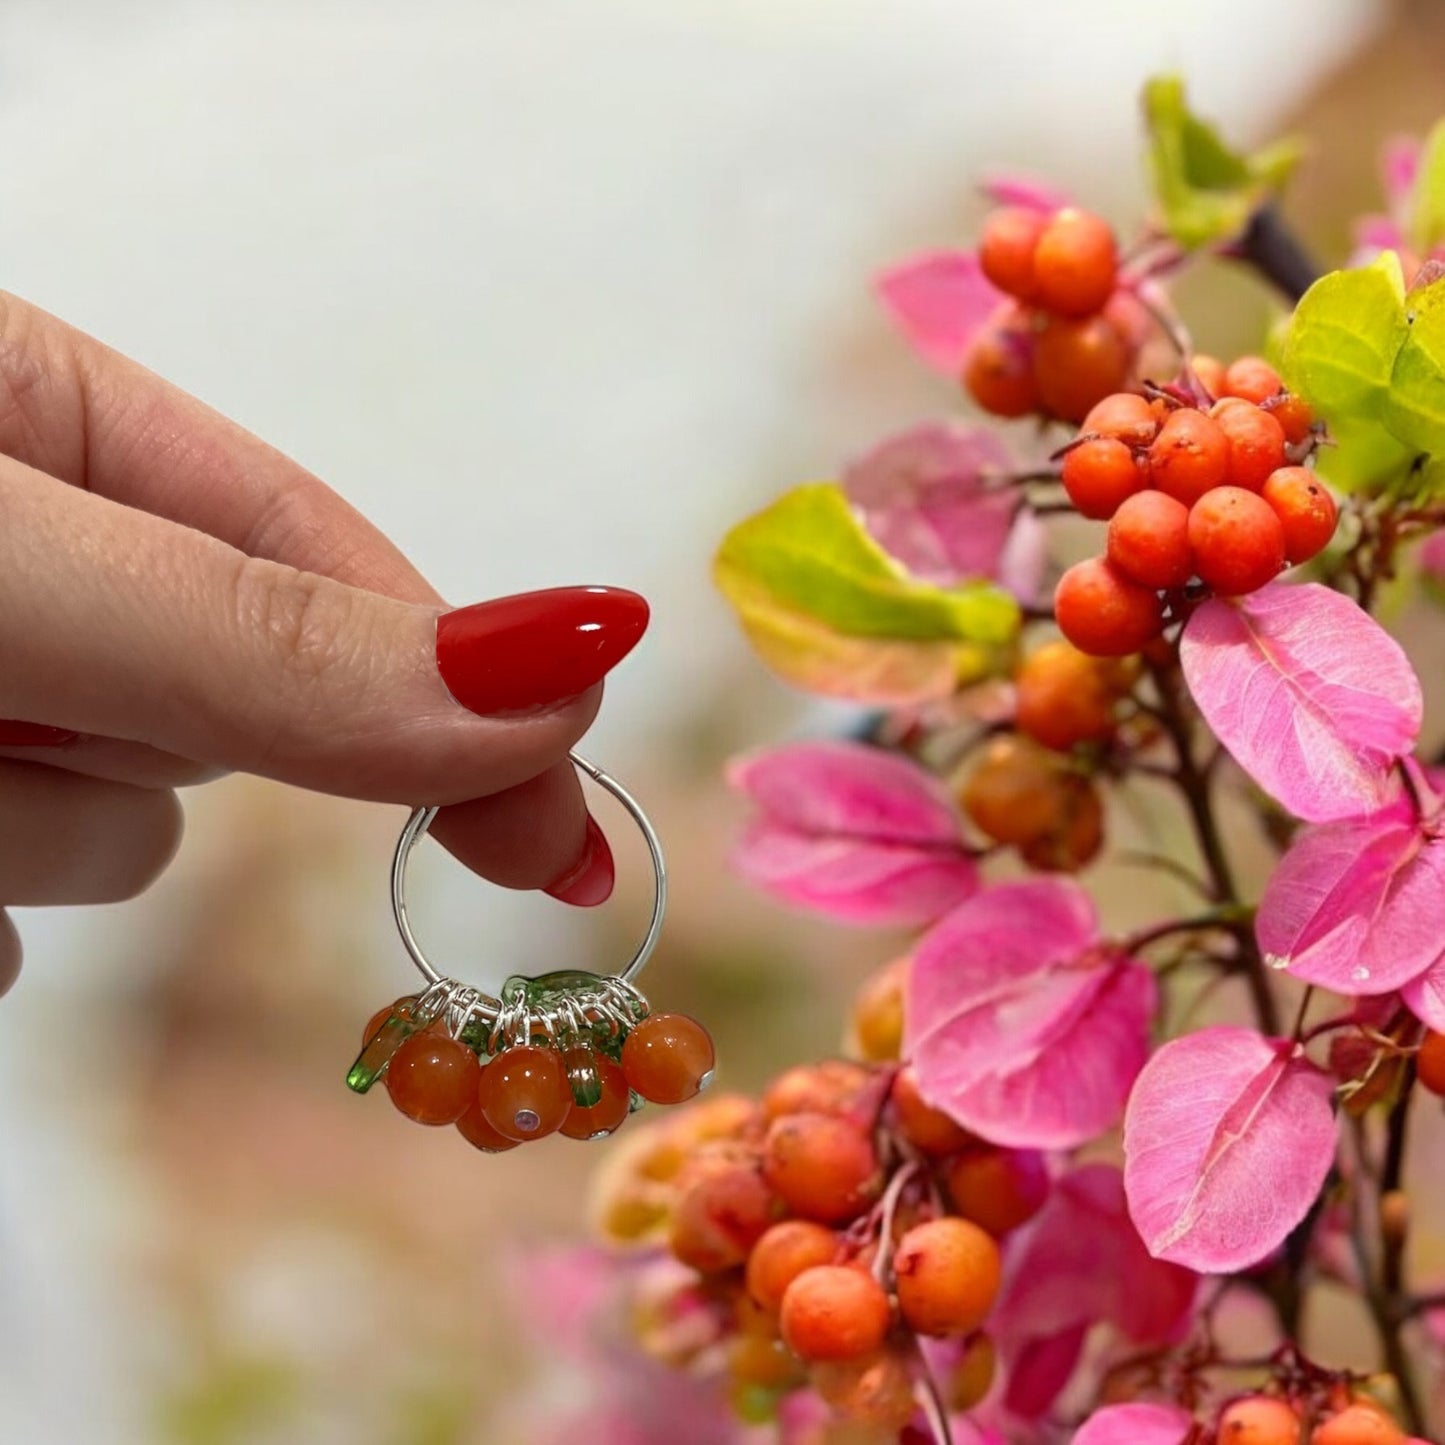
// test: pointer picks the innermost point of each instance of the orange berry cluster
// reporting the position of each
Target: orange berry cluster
(1203, 492)
(581, 1086)
(1063, 340)
(1273, 1420)
(830, 1224)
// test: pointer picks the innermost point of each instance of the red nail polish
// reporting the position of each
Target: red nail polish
(589, 880)
(538, 647)
(33, 735)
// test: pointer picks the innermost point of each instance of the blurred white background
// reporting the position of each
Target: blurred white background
(554, 290)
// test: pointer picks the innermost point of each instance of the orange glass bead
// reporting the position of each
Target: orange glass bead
(604, 1080)
(524, 1092)
(432, 1078)
(474, 1128)
(668, 1058)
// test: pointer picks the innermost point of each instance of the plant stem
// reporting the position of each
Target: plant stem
(1276, 253)
(1388, 1304)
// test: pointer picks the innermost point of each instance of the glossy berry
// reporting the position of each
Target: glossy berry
(1103, 613)
(1306, 511)
(782, 1254)
(1252, 378)
(829, 1087)
(1258, 1420)
(998, 371)
(668, 1058)
(1063, 697)
(1099, 475)
(1006, 249)
(1124, 416)
(1075, 263)
(1430, 1063)
(821, 1166)
(1358, 1424)
(720, 1217)
(524, 1092)
(432, 1078)
(1149, 541)
(946, 1275)
(929, 1130)
(1078, 363)
(474, 1128)
(1189, 456)
(874, 1392)
(594, 1076)
(1256, 442)
(878, 1014)
(834, 1312)
(1237, 539)
(998, 1189)
(1294, 416)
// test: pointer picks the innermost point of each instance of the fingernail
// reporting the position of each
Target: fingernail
(538, 647)
(589, 880)
(33, 735)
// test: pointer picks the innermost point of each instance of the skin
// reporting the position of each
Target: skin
(194, 603)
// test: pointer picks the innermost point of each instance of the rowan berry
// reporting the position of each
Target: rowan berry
(1149, 541)
(998, 1189)
(834, 1312)
(928, 1129)
(1006, 249)
(782, 1254)
(1103, 613)
(946, 1274)
(1063, 696)
(1237, 540)
(1077, 363)
(1124, 416)
(878, 1013)
(875, 1392)
(1252, 378)
(1358, 1424)
(1189, 456)
(998, 371)
(821, 1166)
(1075, 263)
(1430, 1063)
(1100, 474)
(1306, 511)
(720, 1217)
(1259, 1420)
(830, 1086)
(1256, 442)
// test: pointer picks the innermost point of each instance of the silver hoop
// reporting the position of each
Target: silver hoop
(483, 1003)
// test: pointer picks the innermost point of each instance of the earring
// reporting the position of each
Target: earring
(570, 1052)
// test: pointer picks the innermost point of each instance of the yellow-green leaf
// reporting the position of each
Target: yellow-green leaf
(1205, 191)
(1415, 408)
(1427, 198)
(827, 608)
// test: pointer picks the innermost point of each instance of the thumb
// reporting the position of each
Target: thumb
(116, 622)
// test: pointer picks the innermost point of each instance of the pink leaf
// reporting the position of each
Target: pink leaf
(853, 832)
(940, 300)
(1355, 905)
(924, 496)
(1039, 1370)
(1312, 697)
(1228, 1138)
(1425, 996)
(1020, 191)
(1135, 1424)
(1022, 1026)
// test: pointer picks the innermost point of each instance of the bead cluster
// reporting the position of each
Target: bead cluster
(569, 1052)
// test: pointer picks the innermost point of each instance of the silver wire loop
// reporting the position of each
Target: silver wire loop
(464, 1003)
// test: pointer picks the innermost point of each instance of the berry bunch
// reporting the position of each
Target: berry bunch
(1192, 488)
(1067, 336)
(504, 1089)
(1323, 1415)
(828, 1226)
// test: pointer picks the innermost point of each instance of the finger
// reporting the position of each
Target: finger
(68, 839)
(10, 952)
(118, 761)
(537, 835)
(116, 622)
(79, 411)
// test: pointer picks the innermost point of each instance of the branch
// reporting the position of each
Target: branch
(1272, 249)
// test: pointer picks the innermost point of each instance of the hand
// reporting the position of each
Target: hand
(178, 600)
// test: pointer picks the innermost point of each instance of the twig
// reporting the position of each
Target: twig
(1276, 253)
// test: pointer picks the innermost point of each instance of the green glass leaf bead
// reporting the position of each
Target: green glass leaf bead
(582, 1077)
(400, 1024)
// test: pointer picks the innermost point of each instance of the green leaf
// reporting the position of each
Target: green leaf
(1415, 407)
(828, 609)
(1427, 200)
(1363, 457)
(1205, 191)
(1343, 339)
